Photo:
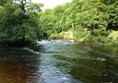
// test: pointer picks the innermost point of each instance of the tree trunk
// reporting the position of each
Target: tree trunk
(23, 3)
(92, 29)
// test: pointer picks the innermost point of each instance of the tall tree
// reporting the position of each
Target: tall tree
(16, 24)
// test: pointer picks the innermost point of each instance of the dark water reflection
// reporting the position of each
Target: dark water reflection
(59, 62)
(18, 65)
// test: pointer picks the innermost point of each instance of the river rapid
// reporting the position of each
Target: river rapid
(58, 61)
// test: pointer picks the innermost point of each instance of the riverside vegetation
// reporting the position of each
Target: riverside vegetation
(86, 21)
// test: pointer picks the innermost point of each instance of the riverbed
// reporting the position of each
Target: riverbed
(58, 61)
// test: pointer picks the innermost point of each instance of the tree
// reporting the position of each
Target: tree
(113, 16)
(108, 2)
(95, 15)
(18, 25)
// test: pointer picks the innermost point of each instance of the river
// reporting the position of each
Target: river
(58, 61)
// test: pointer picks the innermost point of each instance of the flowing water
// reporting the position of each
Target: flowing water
(58, 61)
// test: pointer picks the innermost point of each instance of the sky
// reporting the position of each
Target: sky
(51, 3)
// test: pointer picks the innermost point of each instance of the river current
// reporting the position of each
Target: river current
(58, 61)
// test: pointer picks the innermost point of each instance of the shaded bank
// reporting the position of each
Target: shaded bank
(15, 43)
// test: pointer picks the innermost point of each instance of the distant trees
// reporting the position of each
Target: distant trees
(91, 14)
(23, 20)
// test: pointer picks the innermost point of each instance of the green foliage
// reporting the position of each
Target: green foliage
(17, 24)
(88, 19)
(113, 12)
(3, 2)
(108, 1)
(34, 7)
